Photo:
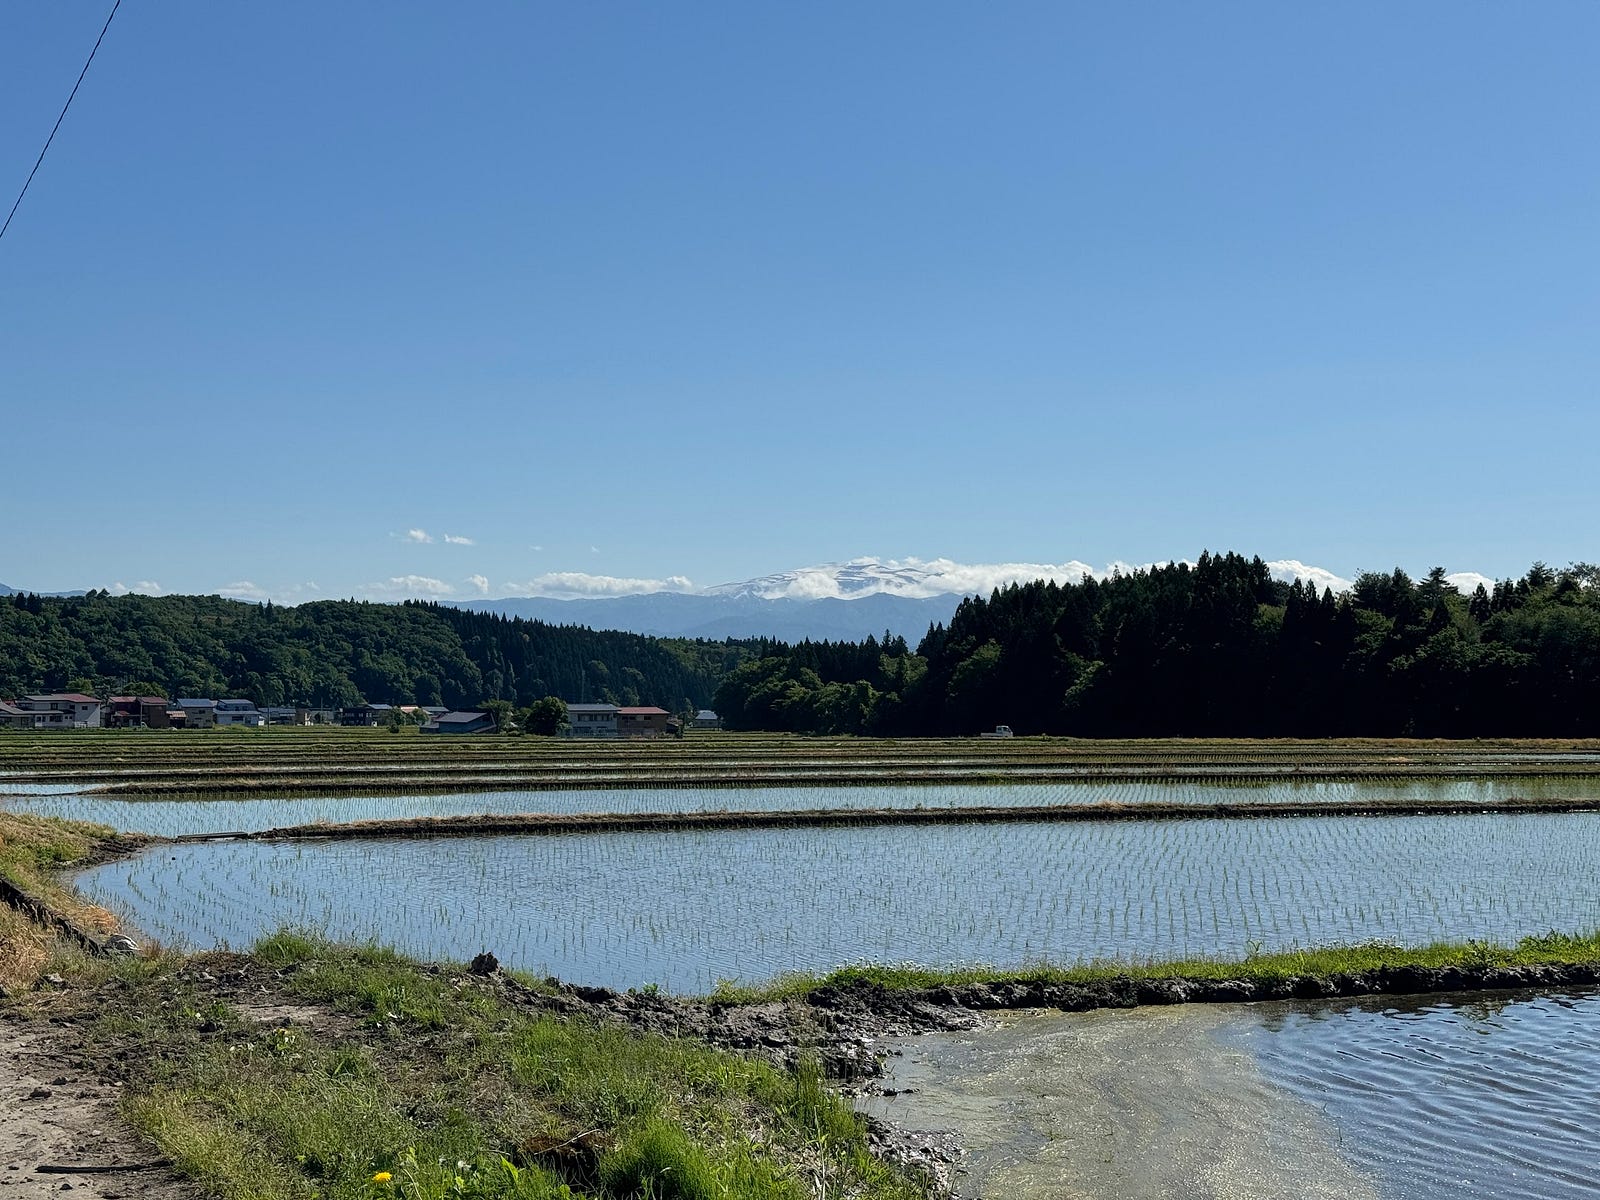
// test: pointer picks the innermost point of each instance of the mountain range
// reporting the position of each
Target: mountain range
(717, 615)
(833, 601)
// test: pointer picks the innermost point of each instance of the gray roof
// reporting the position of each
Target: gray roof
(460, 718)
(197, 703)
(705, 714)
(592, 708)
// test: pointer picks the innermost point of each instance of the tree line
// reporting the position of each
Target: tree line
(1216, 648)
(328, 654)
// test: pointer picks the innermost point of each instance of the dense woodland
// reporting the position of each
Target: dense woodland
(1217, 648)
(330, 653)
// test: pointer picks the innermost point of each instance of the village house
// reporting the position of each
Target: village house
(706, 719)
(198, 714)
(79, 711)
(460, 722)
(12, 717)
(362, 714)
(137, 712)
(238, 712)
(592, 720)
(645, 722)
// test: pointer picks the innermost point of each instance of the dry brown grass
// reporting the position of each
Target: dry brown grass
(31, 850)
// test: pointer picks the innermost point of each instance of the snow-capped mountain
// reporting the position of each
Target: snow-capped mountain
(913, 578)
(845, 600)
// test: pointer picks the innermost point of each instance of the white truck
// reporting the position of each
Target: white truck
(1000, 731)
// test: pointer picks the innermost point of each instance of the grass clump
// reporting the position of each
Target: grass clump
(424, 1083)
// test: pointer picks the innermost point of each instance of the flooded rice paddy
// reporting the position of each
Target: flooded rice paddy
(177, 814)
(688, 909)
(1453, 1098)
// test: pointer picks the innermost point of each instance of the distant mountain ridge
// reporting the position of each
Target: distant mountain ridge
(11, 591)
(718, 616)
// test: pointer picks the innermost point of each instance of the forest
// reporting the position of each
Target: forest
(1214, 648)
(336, 652)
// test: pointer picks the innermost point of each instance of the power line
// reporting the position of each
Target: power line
(59, 119)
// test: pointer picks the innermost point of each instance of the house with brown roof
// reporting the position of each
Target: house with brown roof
(134, 712)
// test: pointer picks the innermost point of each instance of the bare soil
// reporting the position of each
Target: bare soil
(57, 1110)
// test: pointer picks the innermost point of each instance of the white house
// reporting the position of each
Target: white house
(592, 720)
(81, 712)
(238, 712)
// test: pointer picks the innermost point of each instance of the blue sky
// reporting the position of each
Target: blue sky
(709, 291)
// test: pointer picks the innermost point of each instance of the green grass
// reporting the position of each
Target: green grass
(433, 1079)
(1323, 962)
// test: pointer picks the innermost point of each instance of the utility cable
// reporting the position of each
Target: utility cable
(59, 119)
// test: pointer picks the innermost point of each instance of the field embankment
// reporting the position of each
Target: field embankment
(534, 824)
(292, 762)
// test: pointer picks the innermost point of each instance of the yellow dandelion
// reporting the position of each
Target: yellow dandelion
(382, 1177)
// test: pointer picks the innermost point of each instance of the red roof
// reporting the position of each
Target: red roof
(75, 697)
(643, 712)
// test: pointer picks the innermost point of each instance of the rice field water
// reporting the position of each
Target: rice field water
(686, 910)
(177, 815)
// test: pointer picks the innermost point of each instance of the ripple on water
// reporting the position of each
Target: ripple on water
(1463, 1098)
(686, 909)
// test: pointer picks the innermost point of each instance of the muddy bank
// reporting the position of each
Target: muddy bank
(1130, 1103)
(488, 824)
(845, 1023)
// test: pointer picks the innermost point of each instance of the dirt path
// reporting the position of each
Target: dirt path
(53, 1113)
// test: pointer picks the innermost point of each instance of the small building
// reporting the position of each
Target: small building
(285, 714)
(239, 712)
(136, 712)
(461, 722)
(642, 722)
(198, 714)
(359, 714)
(706, 719)
(592, 720)
(80, 711)
(14, 717)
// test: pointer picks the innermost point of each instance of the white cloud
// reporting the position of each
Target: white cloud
(1467, 582)
(243, 589)
(1290, 569)
(407, 587)
(535, 547)
(594, 549)
(415, 535)
(480, 582)
(915, 578)
(456, 539)
(142, 587)
(571, 585)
